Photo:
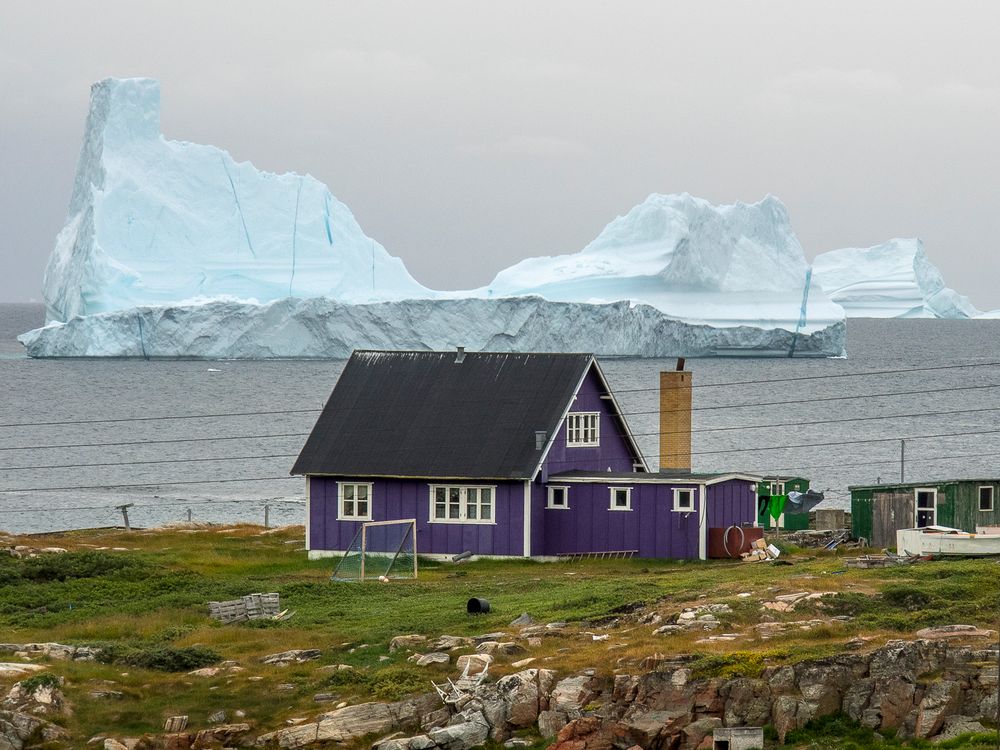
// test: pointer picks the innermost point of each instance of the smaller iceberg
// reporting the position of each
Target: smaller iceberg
(891, 280)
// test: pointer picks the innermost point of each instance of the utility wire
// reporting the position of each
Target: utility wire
(151, 442)
(895, 460)
(157, 461)
(156, 419)
(184, 504)
(614, 391)
(822, 377)
(143, 485)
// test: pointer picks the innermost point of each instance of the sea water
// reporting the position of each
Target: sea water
(737, 424)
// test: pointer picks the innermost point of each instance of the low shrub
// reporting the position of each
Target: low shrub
(68, 565)
(159, 658)
(391, 683)
(40, 680)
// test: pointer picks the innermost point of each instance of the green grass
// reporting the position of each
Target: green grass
(837, 732)
(148, 606)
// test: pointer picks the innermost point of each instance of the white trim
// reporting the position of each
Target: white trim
(562, 419)
(703, 521)
(462, 499)
(526, 549)
(548, 500)
(654, 478)
(340, 501)
(678, 508)
(979, 502)
(607, 389)
(323, 554)
(917, 508)
(582, 415)
(611, 498)
(308, 511)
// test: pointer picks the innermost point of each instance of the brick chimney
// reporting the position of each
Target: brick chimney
(675, 419)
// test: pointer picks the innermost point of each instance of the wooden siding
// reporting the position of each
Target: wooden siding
(961, 510)
(861, 514)
(892, 510)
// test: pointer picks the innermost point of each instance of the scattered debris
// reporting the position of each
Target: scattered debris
(249, 607)
(175, 724)
(954, 631)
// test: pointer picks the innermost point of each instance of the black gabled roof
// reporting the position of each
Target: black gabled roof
(423, 414)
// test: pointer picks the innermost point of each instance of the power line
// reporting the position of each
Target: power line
(825, 421)
(823, 377)
(845, 442)
(157, 461)
(815, 399)
(895, 460)
(184, 504)
(143, 485)
(159, 418)
(151, 442)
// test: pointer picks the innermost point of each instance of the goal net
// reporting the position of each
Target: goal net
(380, 550)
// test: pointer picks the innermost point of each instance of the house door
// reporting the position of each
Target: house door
(926, 508)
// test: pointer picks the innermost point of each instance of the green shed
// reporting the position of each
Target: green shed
(775, 487)
(879, 511)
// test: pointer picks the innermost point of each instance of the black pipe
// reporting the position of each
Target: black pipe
(477, 606)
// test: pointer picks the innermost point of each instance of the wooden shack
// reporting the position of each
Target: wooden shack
(879, 511)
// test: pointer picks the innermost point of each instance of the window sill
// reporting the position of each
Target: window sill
(619, 510)
(556, 507)
(461, 522)
(683, 510)
(583, 445)
(354, 519)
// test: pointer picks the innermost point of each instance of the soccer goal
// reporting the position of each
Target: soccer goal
(380, 550)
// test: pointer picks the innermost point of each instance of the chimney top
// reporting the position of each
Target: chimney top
(680, 364)
(460, 355)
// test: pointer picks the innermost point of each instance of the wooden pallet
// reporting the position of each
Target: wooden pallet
(250, 607)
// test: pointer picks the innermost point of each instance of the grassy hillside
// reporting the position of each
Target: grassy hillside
(146, 603)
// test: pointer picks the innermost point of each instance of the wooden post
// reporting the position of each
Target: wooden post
(189, 515)
(415, 553)
(364, 547)
(902, 460)
(267, 516)
(124, 510)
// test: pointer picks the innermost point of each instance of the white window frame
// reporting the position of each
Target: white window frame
(979, 500)
(577, 429)
(341, 515)
(777, 488)
(550, 503)
(463, 517)
(678, 508)
(628, 498)
(916, 504)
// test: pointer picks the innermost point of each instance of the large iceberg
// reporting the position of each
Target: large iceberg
(153, 221)
(891, 280)
(175, 249)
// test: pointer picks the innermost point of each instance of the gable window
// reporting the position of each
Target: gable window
(777, 488)
(452, 503)
(355, 501)
(985, 499)
(621, 498)
(583, 429)
(558, 498)
(926, 507)
(684, 500)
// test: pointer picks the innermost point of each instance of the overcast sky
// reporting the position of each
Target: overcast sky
(467, 135)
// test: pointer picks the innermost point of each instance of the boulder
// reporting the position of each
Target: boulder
(523, 621)
(940, 701)
(435, 657)
(222, 734)
(476, 663)
(471, 732)
(408, 642)
(519, 693)
(295, 655)
(449, 642)
(550, 722)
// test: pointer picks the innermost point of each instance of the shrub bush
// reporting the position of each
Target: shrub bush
(67, 565)
(160, 658)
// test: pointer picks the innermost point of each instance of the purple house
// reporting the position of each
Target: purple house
(500, 454)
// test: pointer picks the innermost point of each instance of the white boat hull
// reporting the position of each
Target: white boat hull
(946, 542)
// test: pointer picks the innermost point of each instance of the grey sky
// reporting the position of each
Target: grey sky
(467, 135)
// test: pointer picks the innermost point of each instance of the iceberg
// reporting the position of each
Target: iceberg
(153, 221)
(175, 249)
(891, 280)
